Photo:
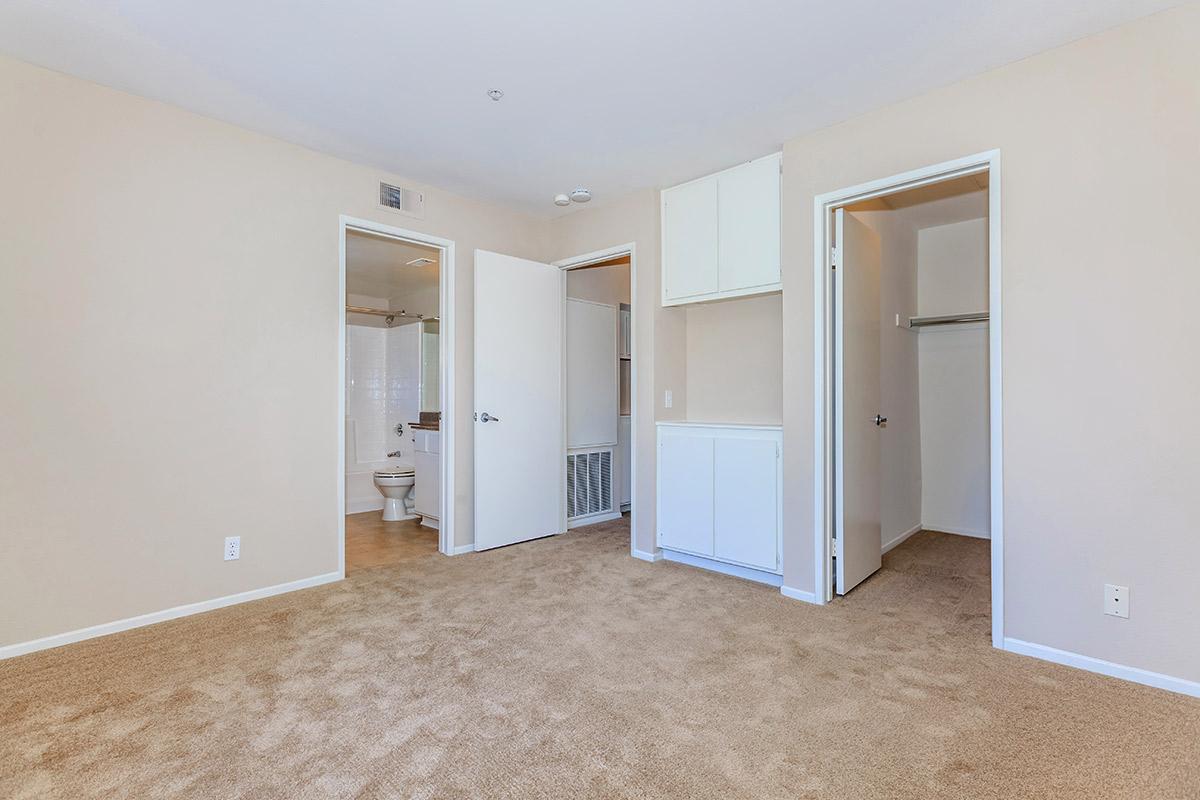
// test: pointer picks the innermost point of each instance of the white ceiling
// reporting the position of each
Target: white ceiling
(377, 267)
(615, 96)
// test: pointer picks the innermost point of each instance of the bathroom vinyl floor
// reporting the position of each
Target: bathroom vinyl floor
(371, 542)
(564, 668)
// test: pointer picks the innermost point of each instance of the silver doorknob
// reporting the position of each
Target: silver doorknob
(880, 421)
(486, 417)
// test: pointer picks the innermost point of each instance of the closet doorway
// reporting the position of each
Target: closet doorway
(908, 374)
(600, 397)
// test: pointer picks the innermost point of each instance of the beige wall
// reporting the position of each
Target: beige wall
(609, 284)
(735, 361)
(1099, 148)
(152, 404)
(1100, 163)
(660, 347)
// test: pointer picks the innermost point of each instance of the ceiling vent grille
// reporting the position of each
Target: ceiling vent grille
(589, 483)
(409, 202)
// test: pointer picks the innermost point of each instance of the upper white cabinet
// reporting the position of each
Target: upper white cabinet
(721, 234)
(689, 220)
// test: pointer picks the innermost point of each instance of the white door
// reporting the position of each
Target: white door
(689, 230)
(520, 459)
(685, 486)
(749, 225)
(856, 404)
(747, 502)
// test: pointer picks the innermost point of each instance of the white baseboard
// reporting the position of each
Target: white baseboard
(1134, 674)
(462, 548)
(799, 594)
(725, 568)
(359, 505)
(900, 539)
(957, 531)
(60, 639)
(644, 556)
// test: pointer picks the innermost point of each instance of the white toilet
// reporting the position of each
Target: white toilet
(396, 485)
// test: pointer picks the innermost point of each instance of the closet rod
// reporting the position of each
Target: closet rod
(947, 319)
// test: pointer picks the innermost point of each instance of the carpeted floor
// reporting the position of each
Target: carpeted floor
(563, 668)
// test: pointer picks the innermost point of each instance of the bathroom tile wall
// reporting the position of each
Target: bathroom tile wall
(383, 378)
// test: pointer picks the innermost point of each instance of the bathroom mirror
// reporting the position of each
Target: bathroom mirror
(430, 362)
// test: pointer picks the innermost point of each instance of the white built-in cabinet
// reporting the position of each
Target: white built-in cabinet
(721, 234)
(720, 492)
(624, 461)
(624, 332)
(427, 463)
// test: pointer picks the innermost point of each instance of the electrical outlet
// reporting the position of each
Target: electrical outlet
(668, 399)
(233, 548)
(1116, 600)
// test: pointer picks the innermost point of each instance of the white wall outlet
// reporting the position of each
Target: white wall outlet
(233, 548)
(1116, 600)
(668, 399)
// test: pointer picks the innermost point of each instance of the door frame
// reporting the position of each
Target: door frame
(585, 260)
(823, 362)
(445, 366)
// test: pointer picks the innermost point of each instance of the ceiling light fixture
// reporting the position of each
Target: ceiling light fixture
(420, 262)
(581, 195)
(495, 94)
(562, 200)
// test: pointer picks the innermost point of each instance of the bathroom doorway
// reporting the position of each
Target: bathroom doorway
(395, 409)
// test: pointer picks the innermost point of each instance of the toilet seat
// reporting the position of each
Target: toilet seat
(395, 472)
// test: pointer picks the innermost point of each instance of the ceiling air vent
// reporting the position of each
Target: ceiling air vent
(406, 201)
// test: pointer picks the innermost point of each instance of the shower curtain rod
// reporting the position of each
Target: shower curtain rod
(380, 312)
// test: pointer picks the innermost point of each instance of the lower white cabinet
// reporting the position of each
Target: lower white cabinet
(720, 492)
(624, 461)
(427, 462)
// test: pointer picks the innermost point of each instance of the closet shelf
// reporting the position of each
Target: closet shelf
(945, 319)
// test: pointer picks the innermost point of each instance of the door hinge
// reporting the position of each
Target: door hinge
(835, 257)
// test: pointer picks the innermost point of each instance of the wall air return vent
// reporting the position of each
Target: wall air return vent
(409, 202)
(589, 484)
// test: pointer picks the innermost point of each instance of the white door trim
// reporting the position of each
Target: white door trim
(823, 455)
(584, 260)
(446, 368)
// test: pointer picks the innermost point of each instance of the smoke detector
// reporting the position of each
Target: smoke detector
(562, 200)
(581, 195)
(495, 94)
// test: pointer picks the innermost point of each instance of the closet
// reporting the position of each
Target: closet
(911, 371)
(598, 359)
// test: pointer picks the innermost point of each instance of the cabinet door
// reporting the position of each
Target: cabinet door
(749, 224)
(689, 235)
(685, 493)
(624, 459)
(747, 502)
(428, 493)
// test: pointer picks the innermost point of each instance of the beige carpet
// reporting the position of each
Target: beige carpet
(564, 668)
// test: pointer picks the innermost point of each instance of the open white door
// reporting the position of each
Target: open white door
(519, 446)
(857, 420)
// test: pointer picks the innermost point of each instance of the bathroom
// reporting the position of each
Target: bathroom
(393, 408)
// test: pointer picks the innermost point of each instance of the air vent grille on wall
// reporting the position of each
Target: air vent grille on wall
(589, 483)
(407, 201)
